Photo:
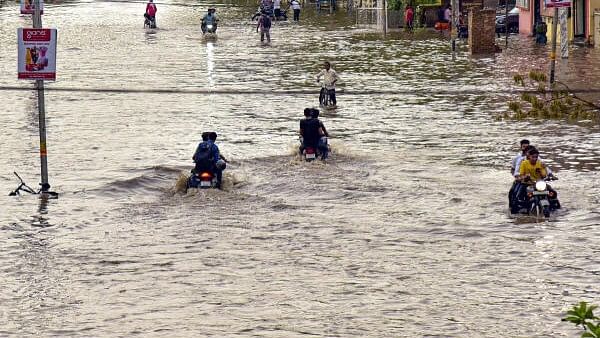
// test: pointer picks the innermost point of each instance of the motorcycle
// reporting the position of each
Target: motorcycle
(539, 201)
(149, 22)
(203, 180)
(210, 29)
(309, 154)
(312, 153)
(325, 98)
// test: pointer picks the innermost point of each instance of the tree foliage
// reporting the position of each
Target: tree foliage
(540, 100)
(582, 315)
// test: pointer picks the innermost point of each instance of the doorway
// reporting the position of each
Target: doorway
(537, 15)
(579, 21)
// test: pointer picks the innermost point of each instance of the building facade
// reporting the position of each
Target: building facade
(580, 18)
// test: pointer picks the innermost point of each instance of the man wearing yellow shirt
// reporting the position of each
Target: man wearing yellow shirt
(532, 168)
(531, 171)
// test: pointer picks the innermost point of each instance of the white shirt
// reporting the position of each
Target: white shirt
(329, 76)
(295, 4)
(277, 4)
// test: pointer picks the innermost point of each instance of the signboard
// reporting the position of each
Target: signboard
(429, 3)
(37, 54)
(557, 3)
(28, 6)
(524, 4)
(472, 3)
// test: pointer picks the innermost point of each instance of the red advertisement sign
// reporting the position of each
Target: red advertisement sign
(28, 6)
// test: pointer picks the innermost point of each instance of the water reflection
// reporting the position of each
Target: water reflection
(151, 36)
(40, 220)
(210, 63)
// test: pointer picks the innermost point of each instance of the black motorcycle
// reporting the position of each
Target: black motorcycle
(149, 22)
(538, 199)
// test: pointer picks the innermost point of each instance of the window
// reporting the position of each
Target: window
(523, 4)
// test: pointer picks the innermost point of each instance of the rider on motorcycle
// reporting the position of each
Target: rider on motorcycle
(520, 156)
(515, 169)
(210, 18)
(531, 170)
(312, 133)
(208, 158)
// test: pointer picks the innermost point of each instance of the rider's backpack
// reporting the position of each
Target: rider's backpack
(266, 22)
(203, 157)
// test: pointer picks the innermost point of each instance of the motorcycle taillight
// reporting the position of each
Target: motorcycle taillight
(205, 176)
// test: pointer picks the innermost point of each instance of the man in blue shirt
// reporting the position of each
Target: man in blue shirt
(208, 158)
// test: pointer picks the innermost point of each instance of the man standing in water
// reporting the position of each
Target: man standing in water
(330, 77)
(264, 24)
(150, 11)
(409, 16)
(296, 7)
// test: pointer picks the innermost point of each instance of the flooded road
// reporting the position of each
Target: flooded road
(404, 233)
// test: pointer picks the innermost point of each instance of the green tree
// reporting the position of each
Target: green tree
(582, 315)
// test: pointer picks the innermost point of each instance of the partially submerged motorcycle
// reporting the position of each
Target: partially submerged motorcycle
(205, 179)
(537, 199)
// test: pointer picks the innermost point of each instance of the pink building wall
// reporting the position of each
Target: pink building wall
(526, 20)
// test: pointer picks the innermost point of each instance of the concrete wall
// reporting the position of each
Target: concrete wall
(482, 31)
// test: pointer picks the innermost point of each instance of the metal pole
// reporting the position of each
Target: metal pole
(553, 52)
(506, 21)
(385, 17)
(454, 24)
(39, 84)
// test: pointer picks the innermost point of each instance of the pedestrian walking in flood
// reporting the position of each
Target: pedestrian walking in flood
(296, 7)
(409, 16)
(264, 24)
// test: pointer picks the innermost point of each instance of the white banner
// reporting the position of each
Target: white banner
(37, 54)
(564, 38)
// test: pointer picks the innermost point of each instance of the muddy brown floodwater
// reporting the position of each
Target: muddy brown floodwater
(404, 233)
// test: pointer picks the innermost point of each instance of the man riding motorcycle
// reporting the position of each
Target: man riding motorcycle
(313, 134)
(531, 171)
(210, 18)
(208, 158)
(515, 170)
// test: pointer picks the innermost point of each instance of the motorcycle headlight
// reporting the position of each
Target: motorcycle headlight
(540, 186)
(209, 26)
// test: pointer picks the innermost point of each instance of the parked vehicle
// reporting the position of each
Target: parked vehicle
(512, 23)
